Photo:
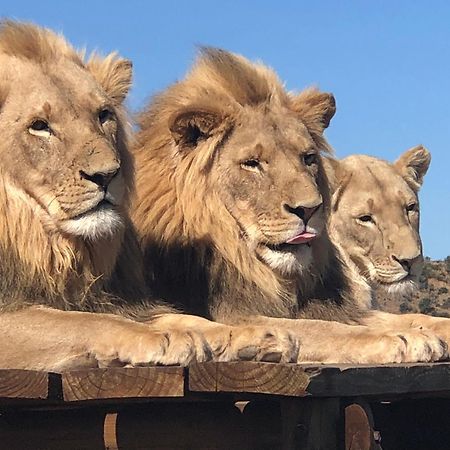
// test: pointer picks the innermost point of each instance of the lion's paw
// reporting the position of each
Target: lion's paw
(257, 343)
(409, 346)
(420, 346)
(152, 347)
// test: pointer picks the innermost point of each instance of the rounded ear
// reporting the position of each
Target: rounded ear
(193, 125)
(332, 168)
(338, 179)
(413, 165)
(315, 108)
(114, 75)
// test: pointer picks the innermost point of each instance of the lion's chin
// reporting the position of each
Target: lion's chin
(400, 289)
(292, 261)
(95, 224)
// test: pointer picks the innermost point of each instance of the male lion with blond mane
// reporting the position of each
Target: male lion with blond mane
(71, 283)
(374, 222)
(231, 207)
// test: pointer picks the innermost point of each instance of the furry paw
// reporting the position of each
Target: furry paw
(419, 345)
(257, 343)
(408, 346)
(143, 346)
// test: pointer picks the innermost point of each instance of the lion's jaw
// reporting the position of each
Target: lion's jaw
(103, 220)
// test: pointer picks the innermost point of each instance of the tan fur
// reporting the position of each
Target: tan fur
(376, 251)
(227, 161)
(71, 271)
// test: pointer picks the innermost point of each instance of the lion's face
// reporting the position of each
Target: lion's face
(375, 217)
(61, 142)
(267, 172)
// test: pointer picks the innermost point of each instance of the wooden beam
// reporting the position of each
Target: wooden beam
(23, 384)
(262, 378)
(320, 381)
(113, 383)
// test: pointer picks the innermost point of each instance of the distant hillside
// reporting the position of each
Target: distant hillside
(432, 298)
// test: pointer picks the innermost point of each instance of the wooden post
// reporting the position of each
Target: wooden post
(359, 427)
(312, 424)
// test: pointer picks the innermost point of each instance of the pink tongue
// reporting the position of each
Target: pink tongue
(302, 238)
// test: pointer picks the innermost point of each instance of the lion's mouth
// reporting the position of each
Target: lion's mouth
(292, 244)
(386, 282)
(102, 205)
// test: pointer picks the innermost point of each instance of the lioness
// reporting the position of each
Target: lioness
(231, 207)
(374, 222)
(66, 243)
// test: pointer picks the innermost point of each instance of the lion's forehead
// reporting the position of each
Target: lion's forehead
(268, 132)
(377, 188)
(65, 87)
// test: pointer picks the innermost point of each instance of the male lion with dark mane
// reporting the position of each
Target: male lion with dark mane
(231, 208)
(374, 222)
(70, 274)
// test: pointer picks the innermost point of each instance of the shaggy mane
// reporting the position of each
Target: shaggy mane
(188, 236)
(38, 263)
(27, 41)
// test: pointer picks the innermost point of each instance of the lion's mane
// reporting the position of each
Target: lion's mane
(39, 265)
(194, 252)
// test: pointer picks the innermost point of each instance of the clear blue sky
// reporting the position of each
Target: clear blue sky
(387, 62)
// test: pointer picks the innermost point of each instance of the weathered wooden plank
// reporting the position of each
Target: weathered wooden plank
(264, 378)
(117, 383)
(320, 381)
(381, 381)
(23, 384)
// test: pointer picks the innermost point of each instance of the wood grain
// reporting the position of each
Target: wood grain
(26, 384)
(320, 381)
(113, 383)
(252, 377)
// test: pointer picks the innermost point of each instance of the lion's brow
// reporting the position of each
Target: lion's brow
(378, 183)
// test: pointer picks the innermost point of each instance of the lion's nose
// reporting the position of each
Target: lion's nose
(406, 263)
(303, 212)
(102, 178)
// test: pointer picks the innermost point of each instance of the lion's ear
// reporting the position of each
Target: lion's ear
(333, 171)
(337, 177)
(413, 165)
(315, 108)
(191, 126)
(114, 75)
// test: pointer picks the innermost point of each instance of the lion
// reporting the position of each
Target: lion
(231, 205)
(72, 291)
(374, 222)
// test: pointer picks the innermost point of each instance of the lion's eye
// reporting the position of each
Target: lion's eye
(104, 115)
(40, 128)
(411, 207)
(251, 164)
(310, 159)
(366, 218)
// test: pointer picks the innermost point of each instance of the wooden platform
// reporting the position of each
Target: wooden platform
(228, 406)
